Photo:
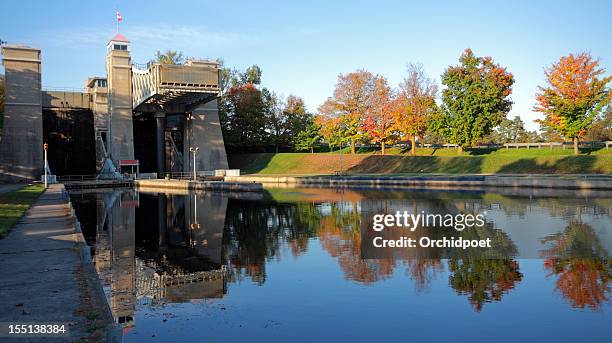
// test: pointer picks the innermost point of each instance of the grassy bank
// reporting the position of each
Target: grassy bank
(14, 204)
(503, 161)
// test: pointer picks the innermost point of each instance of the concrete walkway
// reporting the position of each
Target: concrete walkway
(46, 277)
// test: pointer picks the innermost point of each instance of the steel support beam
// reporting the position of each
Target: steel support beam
(160, 142)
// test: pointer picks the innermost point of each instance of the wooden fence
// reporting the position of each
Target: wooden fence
(550, 145)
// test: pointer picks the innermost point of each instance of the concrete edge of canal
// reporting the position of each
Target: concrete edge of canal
(221, 186)
(601, 182)
(47, 274)
(91, 284)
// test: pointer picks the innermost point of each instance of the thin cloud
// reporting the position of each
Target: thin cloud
(148, 35)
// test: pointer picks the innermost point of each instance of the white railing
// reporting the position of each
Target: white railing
(144, 84)
(154, 78)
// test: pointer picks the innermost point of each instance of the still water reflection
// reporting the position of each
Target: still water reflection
(287, 264)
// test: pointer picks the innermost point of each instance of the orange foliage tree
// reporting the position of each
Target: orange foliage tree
(329, 129)
(350, 103)
(575, 94)
(415, 102)
(379, 122)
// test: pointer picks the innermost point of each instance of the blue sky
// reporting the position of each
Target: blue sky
(302, 46)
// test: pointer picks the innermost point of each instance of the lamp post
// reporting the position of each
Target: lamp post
(46, 147)
(189, 120)
(194, 150)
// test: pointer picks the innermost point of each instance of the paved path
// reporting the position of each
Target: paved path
(44, 277)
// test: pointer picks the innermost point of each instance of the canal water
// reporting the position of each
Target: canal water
(287, 265)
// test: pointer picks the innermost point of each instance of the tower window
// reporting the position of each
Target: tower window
(119, 47)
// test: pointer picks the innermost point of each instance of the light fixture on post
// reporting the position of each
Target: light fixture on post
(189, 131)
(46, 147)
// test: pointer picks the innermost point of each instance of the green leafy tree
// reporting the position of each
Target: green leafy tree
(476, 99)
(252, 75)
(298, 118)
(286, 120)
(169, 57)
(512, 131)
(509, 131)
(307, 138)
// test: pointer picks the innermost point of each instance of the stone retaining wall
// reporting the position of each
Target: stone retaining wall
(573, 182)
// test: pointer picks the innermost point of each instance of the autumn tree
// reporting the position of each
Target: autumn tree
(379, 121)
(242, 116)
(414, 104)
(476, 99)
(576, 92)
(330, 130)
(245, 110)
(351, 103)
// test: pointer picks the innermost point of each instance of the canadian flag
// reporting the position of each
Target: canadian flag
(119, 17)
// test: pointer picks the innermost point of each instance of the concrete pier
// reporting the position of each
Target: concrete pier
(46, 274)
(21, 149)
(156, 185)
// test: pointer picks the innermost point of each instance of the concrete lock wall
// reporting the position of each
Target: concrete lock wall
(206, 134)
(68, 99)
(21, 147)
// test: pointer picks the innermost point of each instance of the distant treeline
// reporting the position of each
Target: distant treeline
(471, 109)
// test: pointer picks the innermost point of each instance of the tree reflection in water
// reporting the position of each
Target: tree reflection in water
(247, 234)
(581, 265)
(340, 235)
(257, 232)
(483, 280)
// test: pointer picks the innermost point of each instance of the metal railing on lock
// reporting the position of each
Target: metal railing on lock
(76, 178)
(141, 66)
(93, 177)
(189, 175)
